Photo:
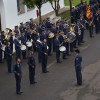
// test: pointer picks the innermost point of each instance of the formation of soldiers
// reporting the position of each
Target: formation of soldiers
(46, 38)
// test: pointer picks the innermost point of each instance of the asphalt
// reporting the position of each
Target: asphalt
(59, 83)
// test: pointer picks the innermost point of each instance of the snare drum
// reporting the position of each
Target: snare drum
(23, 48)
(29, 44)
(62, 49)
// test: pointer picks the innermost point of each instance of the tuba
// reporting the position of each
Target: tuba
(7, 36)
(70, 37)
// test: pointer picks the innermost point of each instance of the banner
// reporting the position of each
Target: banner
(88, 12)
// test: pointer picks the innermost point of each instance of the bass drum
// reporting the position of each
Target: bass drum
(29, 44)
(23, 48)
(62, 49)
(71, 36)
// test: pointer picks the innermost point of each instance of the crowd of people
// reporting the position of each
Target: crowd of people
(46, 38)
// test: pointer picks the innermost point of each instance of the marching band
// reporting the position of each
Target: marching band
(45, 38)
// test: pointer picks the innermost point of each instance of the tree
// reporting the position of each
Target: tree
(70, 5)
(33, 3)
(55, 5)
(81, 1)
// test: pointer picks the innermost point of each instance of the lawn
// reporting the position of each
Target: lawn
(65, 14)
(75, 2)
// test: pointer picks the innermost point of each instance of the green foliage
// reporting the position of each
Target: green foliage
(32, 3)
(74, 2)
(65, 14)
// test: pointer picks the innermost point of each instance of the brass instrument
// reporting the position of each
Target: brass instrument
(71, 27)
(70, 37)
(51, 35)
(7, 36)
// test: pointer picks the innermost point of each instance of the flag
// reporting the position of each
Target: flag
(88, 12)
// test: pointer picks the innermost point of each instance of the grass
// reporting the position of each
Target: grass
(65, 14)
(74, 2)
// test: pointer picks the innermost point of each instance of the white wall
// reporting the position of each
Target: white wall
(12, 17)
(2, 14)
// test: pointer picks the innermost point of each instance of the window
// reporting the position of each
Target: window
(20, 7)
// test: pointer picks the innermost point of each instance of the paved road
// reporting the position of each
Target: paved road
(53, 85)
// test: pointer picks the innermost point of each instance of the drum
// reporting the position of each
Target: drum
(47, 48)
(23, 47)
(62, 49)
(3, 48)
(29, 44)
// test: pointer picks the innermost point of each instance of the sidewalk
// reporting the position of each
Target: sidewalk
(90, 90)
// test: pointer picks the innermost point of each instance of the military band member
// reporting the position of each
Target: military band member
(91, 27)
(18, 75)
(54, 30)
(66, 30)
(17, 46)
(32, 66)
(48, 23)
(61, 39)
(49, 42)
(22, 27)
(0, 51)
(32, 25)
(44, 56)
(78, 67)
(23, 42)
(39, 48)
(57, 45)
(8, 51)
(11, 39)
(16, 30)
(82, 22)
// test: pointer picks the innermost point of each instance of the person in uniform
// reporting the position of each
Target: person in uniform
(16, 30)
(32, 66)
(39, 48)
(11, 39)
(57, 45)
(78, 67)
(18, 75)
(61, 39)
(32, 25)
(22, 28)
(23, 42)
(91, 27)
(8, 51)
(44, 56)
(49, 42)
(17, 46)
(0, 51)
(48, 23)
(54, 30)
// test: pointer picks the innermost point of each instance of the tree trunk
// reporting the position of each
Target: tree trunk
(81, 1)
(56, 12)
(70, 5)
(40, 18)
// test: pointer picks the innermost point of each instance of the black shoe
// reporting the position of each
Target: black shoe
(45, 72)
(33, 82)
(1, 61)
(49, 54)
(68, 54)
(72, 51)
(59, 61)
(75, 47)
(19, 93)
(64, 58)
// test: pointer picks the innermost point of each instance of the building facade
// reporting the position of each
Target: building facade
(13, 12)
